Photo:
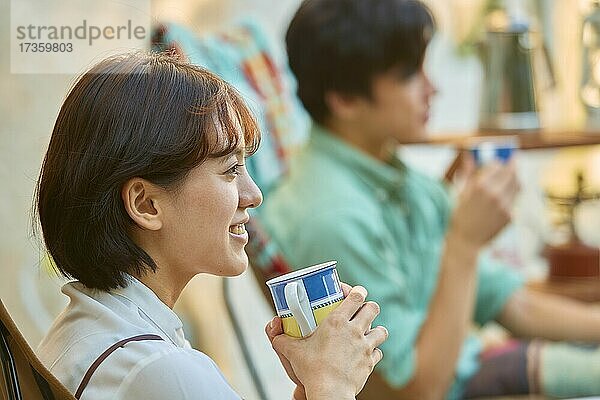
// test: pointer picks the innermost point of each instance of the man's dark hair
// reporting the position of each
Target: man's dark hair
(136, 115)
(341, 45)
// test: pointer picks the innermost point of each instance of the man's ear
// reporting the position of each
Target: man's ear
(141, 201)
(343, 106)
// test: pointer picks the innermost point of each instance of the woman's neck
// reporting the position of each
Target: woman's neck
(167, 288)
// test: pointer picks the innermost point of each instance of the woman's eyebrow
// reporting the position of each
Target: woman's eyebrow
(239, 154)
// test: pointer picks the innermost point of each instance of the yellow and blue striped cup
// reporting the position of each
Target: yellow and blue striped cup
(305, 297)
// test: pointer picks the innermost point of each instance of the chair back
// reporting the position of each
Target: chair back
(23, 376)
(266, 259)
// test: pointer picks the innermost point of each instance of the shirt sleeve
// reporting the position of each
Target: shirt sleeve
(176, 374)
(496, 283)
(366, 257)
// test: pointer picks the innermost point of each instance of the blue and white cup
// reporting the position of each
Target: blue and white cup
(305, 297)
(490, 148)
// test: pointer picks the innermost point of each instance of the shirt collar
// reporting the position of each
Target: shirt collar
(151, 307)
(388, 176)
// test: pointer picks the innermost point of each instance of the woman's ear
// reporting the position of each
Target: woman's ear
(141, 201)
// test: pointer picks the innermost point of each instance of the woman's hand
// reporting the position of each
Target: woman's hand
(273, 329)
(335, 360)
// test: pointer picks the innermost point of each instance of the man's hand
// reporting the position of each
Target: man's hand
(485, 204)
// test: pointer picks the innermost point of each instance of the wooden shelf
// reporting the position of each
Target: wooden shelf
(529, 140)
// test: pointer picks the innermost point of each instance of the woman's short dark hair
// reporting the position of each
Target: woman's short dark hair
(341, 45)
(134, 115)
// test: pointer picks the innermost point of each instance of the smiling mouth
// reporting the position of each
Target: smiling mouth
(237, 229)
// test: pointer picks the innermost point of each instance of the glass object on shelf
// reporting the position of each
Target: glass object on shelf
(512, 75)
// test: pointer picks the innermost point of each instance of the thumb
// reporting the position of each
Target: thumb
(274, 328)
(285, 345)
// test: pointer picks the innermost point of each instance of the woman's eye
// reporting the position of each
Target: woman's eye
(235, 170)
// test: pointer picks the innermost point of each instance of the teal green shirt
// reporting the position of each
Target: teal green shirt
(385, 225)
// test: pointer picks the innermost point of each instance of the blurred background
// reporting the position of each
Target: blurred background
(461, 66)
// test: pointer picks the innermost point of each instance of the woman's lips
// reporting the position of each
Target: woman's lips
(238, 231)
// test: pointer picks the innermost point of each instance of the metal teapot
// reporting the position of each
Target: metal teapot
(509, 55)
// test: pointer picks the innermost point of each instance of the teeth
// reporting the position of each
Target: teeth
(238, 229)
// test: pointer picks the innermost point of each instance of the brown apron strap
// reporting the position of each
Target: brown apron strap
(103, 356)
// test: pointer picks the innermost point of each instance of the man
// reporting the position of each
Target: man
(359, 66)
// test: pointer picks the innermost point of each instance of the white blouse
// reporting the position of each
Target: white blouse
(154, 369)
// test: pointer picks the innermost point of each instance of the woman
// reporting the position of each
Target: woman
(143, 186)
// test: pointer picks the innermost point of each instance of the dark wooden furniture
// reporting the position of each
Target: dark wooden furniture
(22, 374)
(529, 140)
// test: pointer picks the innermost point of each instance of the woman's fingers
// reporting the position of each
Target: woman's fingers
(285, 345)
(377, 355)
(346, 288)
(352, 303)
(344, 334)
(377, 336)
(366, 315)
(274, 328)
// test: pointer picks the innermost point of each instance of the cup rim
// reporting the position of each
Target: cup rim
(300, 273)
(505, 141)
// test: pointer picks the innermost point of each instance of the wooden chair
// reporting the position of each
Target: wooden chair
(23, 375)
(265, 258)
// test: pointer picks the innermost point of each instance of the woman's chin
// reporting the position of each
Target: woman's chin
(237, 268)
(237, 273)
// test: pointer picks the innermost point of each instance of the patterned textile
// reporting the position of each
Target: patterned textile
(506, 370)
(554, 369)
(263, 253)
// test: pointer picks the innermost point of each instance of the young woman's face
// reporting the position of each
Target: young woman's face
(205, 221)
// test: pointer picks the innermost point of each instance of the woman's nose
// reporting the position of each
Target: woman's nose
(250, 194)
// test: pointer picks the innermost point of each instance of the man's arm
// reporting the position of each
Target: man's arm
(532, 314)
(483, 210)
(444, 331)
